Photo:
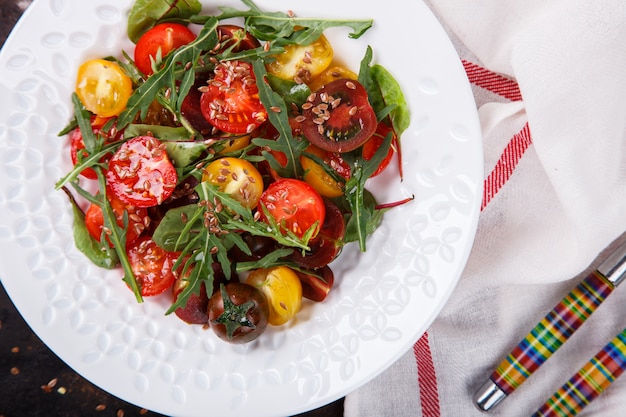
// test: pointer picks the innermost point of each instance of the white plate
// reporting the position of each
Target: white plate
(383, 300)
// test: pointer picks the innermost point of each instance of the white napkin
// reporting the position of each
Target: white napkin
(550, 84)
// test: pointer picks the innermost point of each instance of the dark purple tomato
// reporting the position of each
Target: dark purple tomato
(338, 117)
(238, 312)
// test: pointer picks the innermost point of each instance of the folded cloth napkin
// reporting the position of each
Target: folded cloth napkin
(549, 80)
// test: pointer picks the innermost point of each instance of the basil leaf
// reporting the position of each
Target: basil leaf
(147, 13)
(291, 91)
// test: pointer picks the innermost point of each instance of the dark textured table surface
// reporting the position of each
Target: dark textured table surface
(33, 381)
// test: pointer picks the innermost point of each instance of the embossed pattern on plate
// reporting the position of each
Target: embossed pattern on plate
(383, 301)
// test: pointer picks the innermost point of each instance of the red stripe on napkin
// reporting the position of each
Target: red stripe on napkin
(502, 171)
(491, 81)
(506, 164)
(427, 378)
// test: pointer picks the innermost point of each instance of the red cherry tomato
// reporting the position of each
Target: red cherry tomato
(152, 266)
(371, 146)
(230, 101)
(327, 245)
(140, 172)
(94, 219)
(294, 205)
(338, 117)
(164, 37)
(77, 145)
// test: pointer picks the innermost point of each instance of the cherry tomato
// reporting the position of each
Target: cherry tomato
(316, 176)
(294, 205)
(140, 172)
(237, 178)
(316, 284)
(282, 289)
(338, 117)
(327, 245)
(238, 312)
(137, 219)
(331, 74)
(161, 39)
(103, 87)
(236, 37)
(77, 145)
(302, 63)
(152, 266)
(230, 101)
(371, 146)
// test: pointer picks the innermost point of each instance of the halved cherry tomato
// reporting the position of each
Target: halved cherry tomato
(138, 219)
(282, 289)
(338, 117)
(330, 74)
(237, 178)
(140, 172)
(103, 87)
(371, 146)
(302, 63)
(316, 175)
(294, 205)
(230, 101)
(316, 284)
(238, 312)
(152, 266)
(159, 41)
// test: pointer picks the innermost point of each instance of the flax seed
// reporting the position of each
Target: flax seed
(350, 85)
(353, 111)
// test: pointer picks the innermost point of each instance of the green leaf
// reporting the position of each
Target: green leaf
(178, 227)
(290, 91)
(392, 95)
(292, 148)
(146, 93)
(147, 13)
(100, 254)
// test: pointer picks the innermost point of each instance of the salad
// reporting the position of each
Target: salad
(229, 155)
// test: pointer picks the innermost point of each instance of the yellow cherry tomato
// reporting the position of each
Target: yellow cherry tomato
(331, 74)
(318, 178)
(103, 87)
(302, 63)
(237, 178)
(283, 290)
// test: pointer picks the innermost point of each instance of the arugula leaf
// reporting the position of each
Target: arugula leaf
(147, 13)
(362, 220)
(283, 28)
(146, 93)
(286, 143)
